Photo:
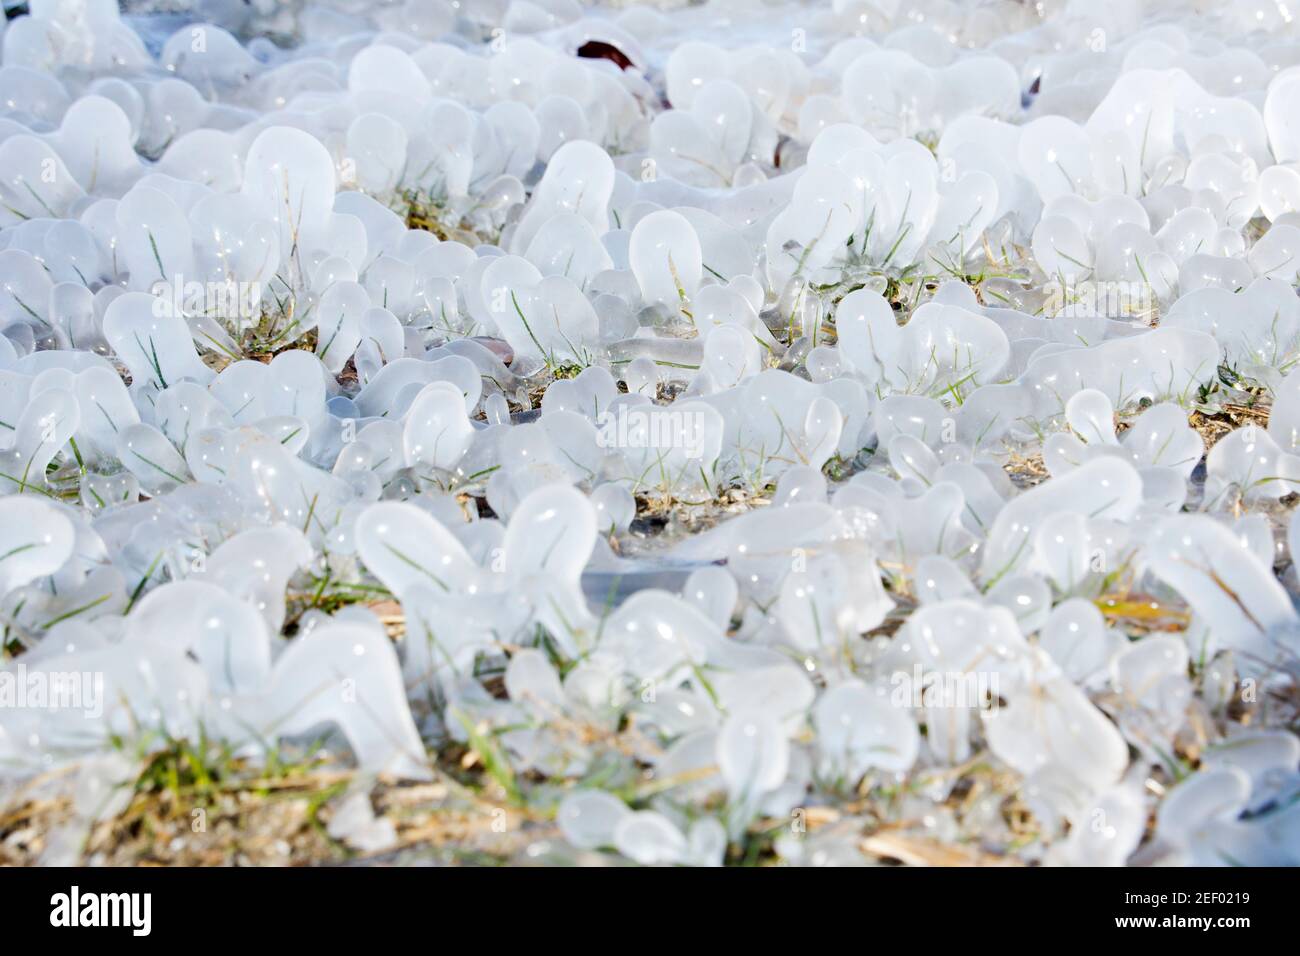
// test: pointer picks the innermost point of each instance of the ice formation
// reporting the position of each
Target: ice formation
(741, 409)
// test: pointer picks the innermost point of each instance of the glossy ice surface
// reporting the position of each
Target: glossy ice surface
(746, 426)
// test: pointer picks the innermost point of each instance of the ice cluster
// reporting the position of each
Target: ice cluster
(760, 424)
